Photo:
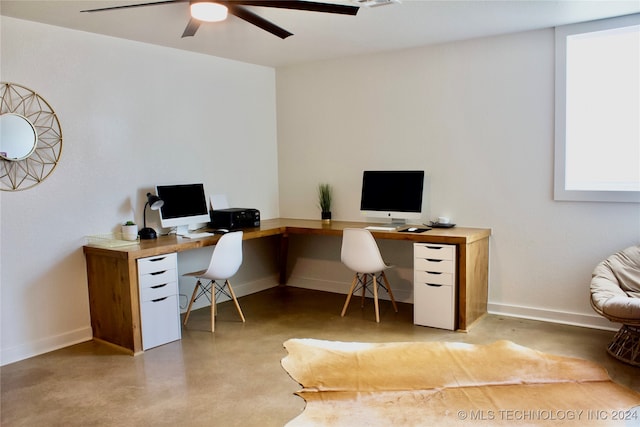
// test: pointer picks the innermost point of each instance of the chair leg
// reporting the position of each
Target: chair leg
(386, 283)
(353, 286)
(364, 289)
(235, 300)
(375, 298)
(213, 306)
(375, 283)
(193, 298)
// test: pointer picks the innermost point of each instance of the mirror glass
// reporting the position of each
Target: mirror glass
(18, 137)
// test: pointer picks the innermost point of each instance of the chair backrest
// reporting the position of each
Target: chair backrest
(360, 251)
(226, 258)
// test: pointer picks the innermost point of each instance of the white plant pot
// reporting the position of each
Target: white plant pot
(130, 232)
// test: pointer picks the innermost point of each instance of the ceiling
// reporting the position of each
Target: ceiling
(318, 36)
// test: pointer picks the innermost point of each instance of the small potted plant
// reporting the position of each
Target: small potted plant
(324, 200)
(130, 231)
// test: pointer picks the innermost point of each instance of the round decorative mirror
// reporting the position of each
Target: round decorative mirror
(18, 137)
(30, 138)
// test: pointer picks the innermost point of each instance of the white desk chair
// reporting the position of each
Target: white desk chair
(225, 262)
(360, 253)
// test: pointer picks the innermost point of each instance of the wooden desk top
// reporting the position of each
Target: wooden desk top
(286, 226)
(455, 235)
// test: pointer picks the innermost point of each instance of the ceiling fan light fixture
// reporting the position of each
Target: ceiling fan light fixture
(375, 3)
(208, 11)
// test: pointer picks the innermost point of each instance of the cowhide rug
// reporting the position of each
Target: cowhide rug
(451, 384)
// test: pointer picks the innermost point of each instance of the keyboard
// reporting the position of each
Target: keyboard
(196, 235)
(381, 228)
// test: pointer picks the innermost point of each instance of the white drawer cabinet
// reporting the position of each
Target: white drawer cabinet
(434, 285)
(159, 310)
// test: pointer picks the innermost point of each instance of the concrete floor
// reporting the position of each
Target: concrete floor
(234, 377)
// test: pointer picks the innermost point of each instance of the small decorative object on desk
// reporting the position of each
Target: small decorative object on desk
(324, 200)
(436, 224)
(130, 231)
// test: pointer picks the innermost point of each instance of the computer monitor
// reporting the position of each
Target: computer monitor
(184, 205)
(396, 195)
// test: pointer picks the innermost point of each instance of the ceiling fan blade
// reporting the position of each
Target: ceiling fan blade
(191, 28)
(258, 21)
(300, 5)
(127, 6)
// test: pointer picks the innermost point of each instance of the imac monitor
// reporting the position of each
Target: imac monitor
(184, 205)
(396, 195)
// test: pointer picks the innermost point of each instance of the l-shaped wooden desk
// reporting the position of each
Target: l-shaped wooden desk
(112, 275)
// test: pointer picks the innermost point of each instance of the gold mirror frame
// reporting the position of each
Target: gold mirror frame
(28, 172)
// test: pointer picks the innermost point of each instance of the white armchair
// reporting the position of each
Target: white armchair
(615, 295)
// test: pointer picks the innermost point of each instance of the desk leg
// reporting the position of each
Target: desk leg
(284, 253)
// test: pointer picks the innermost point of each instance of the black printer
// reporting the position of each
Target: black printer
(234, 218)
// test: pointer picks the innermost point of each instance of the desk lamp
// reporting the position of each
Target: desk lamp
(155, 203)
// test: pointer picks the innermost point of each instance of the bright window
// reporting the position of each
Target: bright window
(598, 111)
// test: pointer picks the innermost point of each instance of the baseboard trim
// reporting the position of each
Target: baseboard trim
(400, 295)
(45, 345)
(256, 286)
(593, 321)
(566, 318)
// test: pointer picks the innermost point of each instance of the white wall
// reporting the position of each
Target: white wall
(478, 117)
(132, 115)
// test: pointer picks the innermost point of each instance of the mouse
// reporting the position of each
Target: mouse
(412, 229)
(222, 230)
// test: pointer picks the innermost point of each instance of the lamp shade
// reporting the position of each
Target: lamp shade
(154, 201)
(208, 11)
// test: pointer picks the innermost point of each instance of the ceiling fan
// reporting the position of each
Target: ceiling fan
(215, 11)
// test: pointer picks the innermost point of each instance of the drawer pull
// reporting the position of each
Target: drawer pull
(159, 299)
(159, 286)
(433, 285)
(157, 259)
(434, 272)
(435, 247)
(158, 272)
(434, 260)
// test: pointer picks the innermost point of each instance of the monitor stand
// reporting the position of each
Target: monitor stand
(398, 222)
(182, 230)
